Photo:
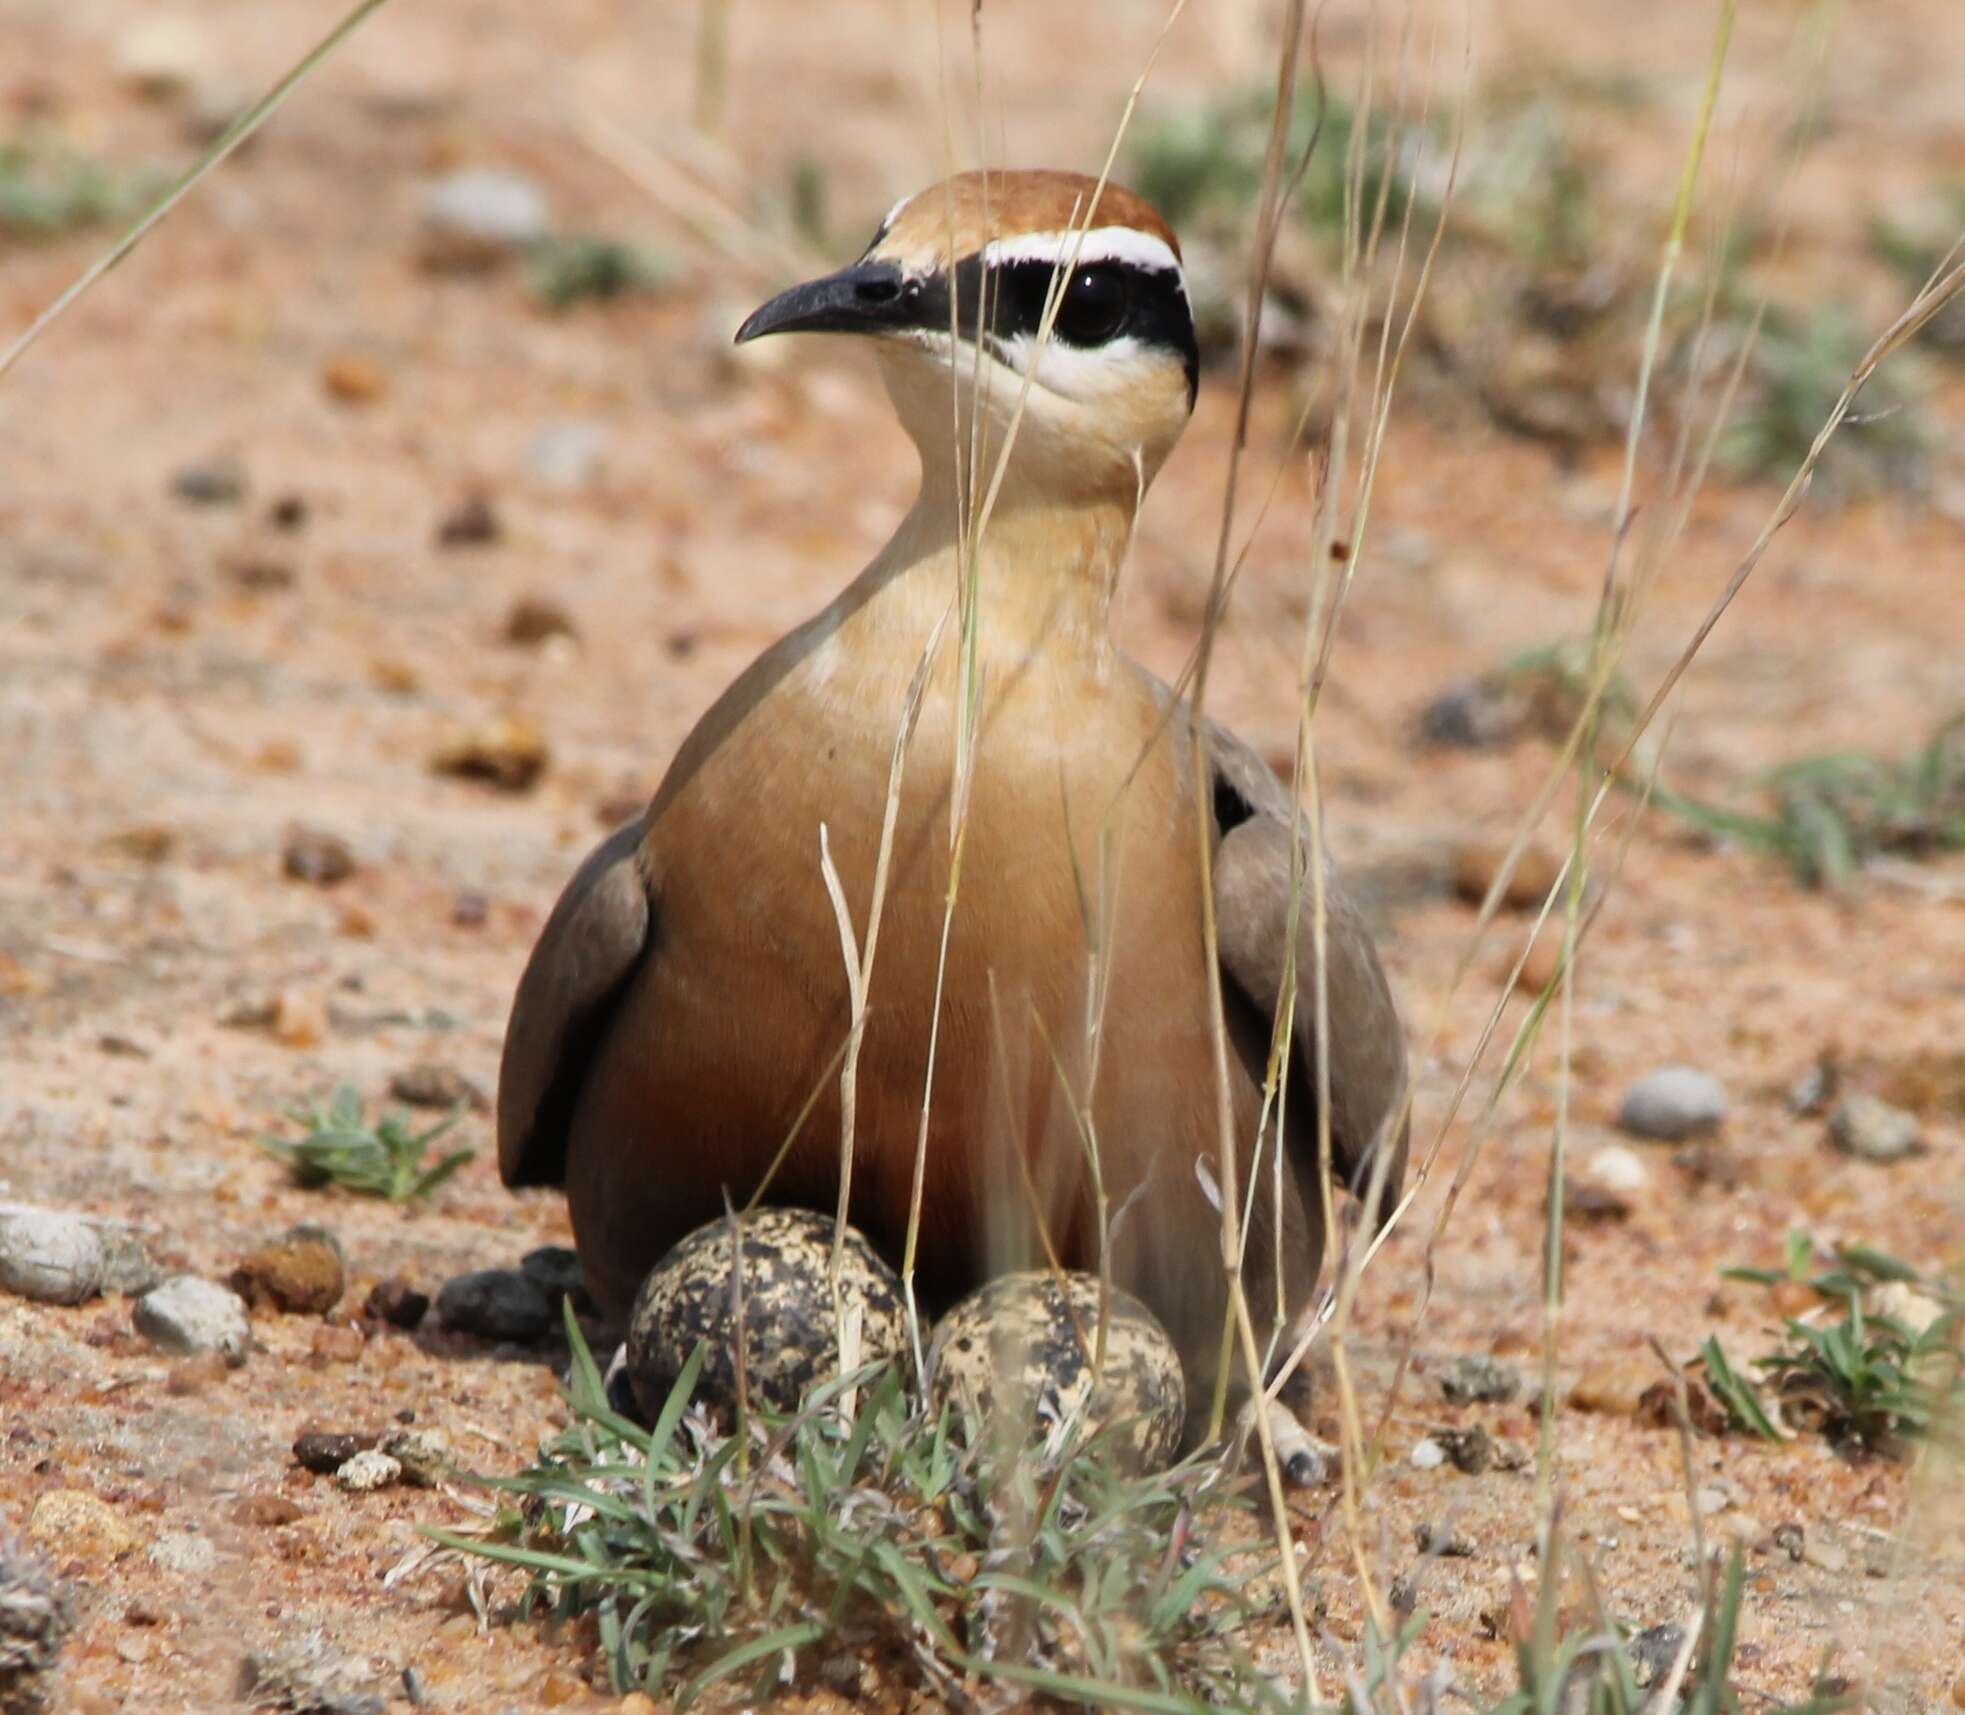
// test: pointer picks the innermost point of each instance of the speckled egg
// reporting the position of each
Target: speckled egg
(791, 1336)
(1022, 1345)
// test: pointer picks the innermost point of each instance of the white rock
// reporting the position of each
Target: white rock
(1903, 1303)
(1616, 1168)
(189, 1314)
(1672, 1104)
(183, 1551)
(50, 1256)
(1428, 1455)
(163, 55)
(478, 216)
(367, 1471)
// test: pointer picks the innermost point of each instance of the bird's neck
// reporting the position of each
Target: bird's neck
(1045, 568)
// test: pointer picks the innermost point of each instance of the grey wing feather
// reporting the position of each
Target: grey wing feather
(595, 940)
(1253, 887)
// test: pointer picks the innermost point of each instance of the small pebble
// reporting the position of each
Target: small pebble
(422, 1455)
(353, 379)
(429, 1084)
(640, 1703)
(1470, 1450)
(325, 1451)
(188, 1314)
(470, 524)
(1904, 1304)
(72, 1523)
(266, 1511)
(369, 1471)
(1477, 863)
(1672, 1104)
(213, 482)
(1870, 1129)
(300, 1272)
(288, 512)
(1479, 1380)
(476, 217)
(508, 752)
(1615, 1168)
(127, 1265)
(312, 855)
(1428, 1455)
(1444, 1541)
(495, 1304)
(535, 619)
(396, 1302)
(1474, 714)
(49, 1256)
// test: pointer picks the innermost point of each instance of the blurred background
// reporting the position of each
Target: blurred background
(371, 537)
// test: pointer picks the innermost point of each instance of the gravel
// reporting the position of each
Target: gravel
(190, 1314)
(369, 1471)
(1479, 1380)
(325, 1451)
(1673, 1104)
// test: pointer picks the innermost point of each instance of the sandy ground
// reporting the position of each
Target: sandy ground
(180, 686)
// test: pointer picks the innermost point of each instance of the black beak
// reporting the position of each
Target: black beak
(869, 297)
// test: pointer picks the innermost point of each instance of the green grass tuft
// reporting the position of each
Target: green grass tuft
(340, 1147)
(1879, 1364)
(588, 267)
(48, 188)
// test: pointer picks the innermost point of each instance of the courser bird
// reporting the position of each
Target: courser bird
(688, 995)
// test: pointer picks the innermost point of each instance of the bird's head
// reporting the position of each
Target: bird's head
(1040, 298)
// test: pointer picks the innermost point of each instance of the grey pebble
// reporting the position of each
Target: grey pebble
(190, 1314)
(1479, 1380)
(50, 1256)
(219, 481)
(1672, 1104)
(1428, 1455)
(1652, 1653)
(422, 1456)
(1474, 714)
(1870, 1129)
(495, 1304)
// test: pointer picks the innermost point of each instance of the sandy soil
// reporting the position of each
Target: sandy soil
(180, 686)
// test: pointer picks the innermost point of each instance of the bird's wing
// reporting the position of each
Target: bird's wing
(1253, 886)
(595, 940)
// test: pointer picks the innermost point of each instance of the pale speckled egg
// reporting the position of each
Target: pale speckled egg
(1023, 1345)
(791, 1333)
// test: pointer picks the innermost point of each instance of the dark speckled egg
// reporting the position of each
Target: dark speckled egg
(1019, 1353)
(791, 1335)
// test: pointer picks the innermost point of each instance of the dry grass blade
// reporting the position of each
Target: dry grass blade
(233, 135)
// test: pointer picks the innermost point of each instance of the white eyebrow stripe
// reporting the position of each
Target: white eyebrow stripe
(1098, 244)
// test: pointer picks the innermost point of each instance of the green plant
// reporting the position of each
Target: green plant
(1832, 812)
(865, 1527)
(48, 188)
(1202, 166)
(1888, 1365)
(1794, 374)
(583, 266)
(340, 1147)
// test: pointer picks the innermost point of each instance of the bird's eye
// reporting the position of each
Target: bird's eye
(1094, 306)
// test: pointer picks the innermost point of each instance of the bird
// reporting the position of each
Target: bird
(676, 1036)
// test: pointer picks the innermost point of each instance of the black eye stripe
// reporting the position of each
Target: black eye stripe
(1012, 297)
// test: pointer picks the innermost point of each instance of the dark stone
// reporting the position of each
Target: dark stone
(555, 1270)
(495, 1304)
(396, 1302)
(325, 1451)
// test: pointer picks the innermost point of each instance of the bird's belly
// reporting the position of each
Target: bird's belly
(1072, 1009)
